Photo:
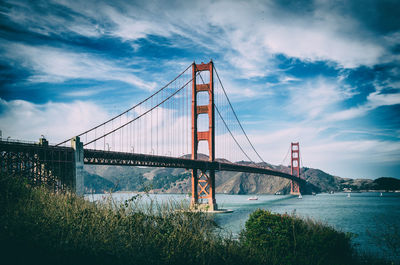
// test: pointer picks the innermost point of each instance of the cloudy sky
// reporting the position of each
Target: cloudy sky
(325, 73)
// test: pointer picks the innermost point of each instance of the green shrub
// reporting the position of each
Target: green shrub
(284, 239)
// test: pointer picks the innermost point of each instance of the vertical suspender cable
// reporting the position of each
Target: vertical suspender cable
(233, 111)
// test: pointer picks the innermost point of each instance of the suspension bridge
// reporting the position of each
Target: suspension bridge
(189, 123)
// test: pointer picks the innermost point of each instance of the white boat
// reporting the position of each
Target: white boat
(254, 198)
(348, 195)
(300, 197)
(381, 194)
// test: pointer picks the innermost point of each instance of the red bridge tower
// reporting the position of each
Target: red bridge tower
(295, 168)
(203, 185)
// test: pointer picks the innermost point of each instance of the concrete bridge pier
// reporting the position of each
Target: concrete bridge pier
(78, 165)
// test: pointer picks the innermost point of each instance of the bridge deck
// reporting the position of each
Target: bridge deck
(96, 157)
(57, 154)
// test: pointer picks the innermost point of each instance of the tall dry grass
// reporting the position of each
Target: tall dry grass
(41, 227)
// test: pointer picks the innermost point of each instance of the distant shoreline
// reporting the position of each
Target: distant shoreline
(247, 194)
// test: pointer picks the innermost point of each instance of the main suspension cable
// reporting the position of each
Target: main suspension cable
(223, 89)
(144, 113)
(141, 102)
(283, 161)
(230, 132)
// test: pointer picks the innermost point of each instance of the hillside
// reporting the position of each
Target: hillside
(168, 180)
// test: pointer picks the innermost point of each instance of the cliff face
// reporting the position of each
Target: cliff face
(246, 183)
(167, 180)
(325, 182)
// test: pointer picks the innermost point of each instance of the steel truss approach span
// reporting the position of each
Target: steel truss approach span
(42, 163)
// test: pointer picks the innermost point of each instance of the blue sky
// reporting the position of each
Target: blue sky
(325, 73)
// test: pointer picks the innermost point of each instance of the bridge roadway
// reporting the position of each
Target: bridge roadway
(97, 157)
(56, 154)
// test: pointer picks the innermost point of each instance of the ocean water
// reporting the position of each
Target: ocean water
(367, 215)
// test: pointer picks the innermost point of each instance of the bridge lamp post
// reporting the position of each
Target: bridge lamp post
(132, 149)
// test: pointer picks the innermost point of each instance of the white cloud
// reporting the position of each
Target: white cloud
(287, 79)
(83, 93)
(255, 31)
(374, 100)
(20, 119)
(48, 23)
(131, 28)
(249, 33)
(315, 97)
(313, 42)
(346, 114)
(57, 65)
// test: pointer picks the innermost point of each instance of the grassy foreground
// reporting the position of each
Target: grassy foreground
(40, 227)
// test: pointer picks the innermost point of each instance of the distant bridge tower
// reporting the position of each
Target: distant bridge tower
(203, 184)
(295, 168)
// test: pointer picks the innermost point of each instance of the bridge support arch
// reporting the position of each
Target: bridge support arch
(295, 168)
(203, 182)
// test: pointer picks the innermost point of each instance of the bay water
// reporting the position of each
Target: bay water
(370, 216)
